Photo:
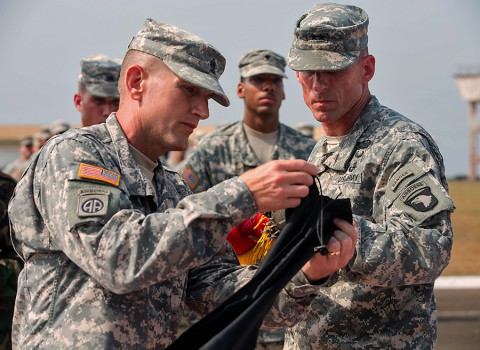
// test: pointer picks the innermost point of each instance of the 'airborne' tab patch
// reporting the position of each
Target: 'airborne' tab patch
(88, 171)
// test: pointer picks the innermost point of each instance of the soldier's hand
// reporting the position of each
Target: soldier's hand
(280, 184)
(341, 248)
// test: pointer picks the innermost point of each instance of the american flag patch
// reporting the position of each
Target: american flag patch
(88, 171)
(190, 177)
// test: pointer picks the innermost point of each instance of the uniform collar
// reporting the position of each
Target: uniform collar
(244, 154)
(339, 159)
(131, 173)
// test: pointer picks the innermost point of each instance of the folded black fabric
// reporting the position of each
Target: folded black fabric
(235, 324)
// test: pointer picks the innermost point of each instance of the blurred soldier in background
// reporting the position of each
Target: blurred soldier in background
(97, 94)
(16, 167)
(40, 138)
(58, 127)
(305, 128)
(10, 264)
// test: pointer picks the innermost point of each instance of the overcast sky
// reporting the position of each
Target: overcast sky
(419, 45)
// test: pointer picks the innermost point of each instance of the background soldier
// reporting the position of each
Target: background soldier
(258, 138)
(26, 149)
(97, 94)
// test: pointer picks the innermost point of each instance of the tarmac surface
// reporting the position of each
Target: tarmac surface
(458, 304)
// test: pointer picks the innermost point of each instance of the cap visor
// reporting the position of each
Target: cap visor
(264, 70)
(300, 60)
(103, 90)
(199, 79)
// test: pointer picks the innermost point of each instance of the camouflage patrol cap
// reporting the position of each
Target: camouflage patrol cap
(100, 75)
(41, 136)
(262, 62)
(26, 141)
(188, 56)
(328, 37)
(59, 127)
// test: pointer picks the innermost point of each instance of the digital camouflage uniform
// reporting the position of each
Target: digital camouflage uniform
(225, 153)
(393, 173)
(10, 264)
(109, 257)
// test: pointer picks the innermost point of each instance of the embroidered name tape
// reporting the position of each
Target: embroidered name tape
(88, 171)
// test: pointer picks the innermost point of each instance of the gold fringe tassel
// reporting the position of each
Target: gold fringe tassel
(256, 254)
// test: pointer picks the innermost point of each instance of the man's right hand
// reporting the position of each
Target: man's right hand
(280, 184)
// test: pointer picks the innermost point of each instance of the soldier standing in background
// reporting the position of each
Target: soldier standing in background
(256, 139)
(259, 137)
(26, 149)
(97, 94)
(40, 138)
(392, 171)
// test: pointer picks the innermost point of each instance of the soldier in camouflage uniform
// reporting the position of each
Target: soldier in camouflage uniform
(10, 264)
(258, 138)
(235, 148)
(112, 245)
(97, 94)
(393, 173)
(26, 149)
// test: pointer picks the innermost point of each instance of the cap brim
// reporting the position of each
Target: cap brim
(103, 90)
(300, 60)
(199, 79)
(267, 69)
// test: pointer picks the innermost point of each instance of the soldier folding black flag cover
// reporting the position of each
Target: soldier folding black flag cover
(235, 324)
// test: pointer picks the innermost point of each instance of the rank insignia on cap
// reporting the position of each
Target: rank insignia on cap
(190, 177)
(419, 196)
(87, 171)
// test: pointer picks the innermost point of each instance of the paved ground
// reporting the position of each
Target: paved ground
(458, 301)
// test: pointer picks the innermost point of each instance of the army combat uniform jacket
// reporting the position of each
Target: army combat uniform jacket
(226, 153)
(393, 174)
(109, 258)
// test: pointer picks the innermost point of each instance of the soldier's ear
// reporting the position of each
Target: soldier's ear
(368, 68)
(77, 101)
(240, 90)
(134, 81)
